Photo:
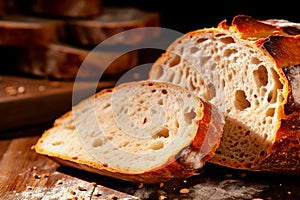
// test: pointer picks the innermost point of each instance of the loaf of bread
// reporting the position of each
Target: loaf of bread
(94, 30)
(66, 8)
(250, 70)
(62, 62)
(24, 30)
(21, 30)
(141, 131)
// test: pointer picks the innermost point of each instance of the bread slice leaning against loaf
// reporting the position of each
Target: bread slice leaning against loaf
(142, 131)
(251, 71)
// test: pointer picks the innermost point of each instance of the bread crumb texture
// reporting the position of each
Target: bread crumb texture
(231, 68)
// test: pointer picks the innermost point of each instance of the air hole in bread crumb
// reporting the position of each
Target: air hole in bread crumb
(175, 61)
(200, 40)
(262, 153)
(220, 35)
(106, 106)
(189, 116)
(145, 120)
(97, 142)
(141, 101)
(164, 132)
(205, 59)
(270, 112)
(211, 90)
(255, 61)
(247, 133)
(124, 144)
(56, 143)
(160, 102)
(272, 96)
(241, 101)
(226, 40)
(260, 76)
(229, 52)
(177, 124)
(157, 145)
(193, 50)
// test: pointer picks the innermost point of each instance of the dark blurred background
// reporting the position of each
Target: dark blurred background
(189, 15)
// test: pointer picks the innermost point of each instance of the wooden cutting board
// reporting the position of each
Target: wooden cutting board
(27, 175)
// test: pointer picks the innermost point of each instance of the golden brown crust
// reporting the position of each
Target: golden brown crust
(251, 28)
(284, 49)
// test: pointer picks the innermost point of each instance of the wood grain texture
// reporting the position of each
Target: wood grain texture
(27, 175)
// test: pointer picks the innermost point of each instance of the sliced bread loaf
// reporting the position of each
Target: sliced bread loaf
(94, 30)
(62, 62)
(66, 8)
(142, 131)
(22, 30)
(249, 70)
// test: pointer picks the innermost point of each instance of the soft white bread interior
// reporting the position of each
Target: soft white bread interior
(143, 131)
(243, 69)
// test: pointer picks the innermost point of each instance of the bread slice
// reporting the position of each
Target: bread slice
(66, 8)
(23, 30)
(62, 62)
(94, 30)
(142, 131)
(249, 70)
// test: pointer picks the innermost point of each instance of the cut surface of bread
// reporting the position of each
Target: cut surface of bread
(142, 131)
(250, 71)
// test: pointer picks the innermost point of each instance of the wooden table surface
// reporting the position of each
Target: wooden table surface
(25, 174)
